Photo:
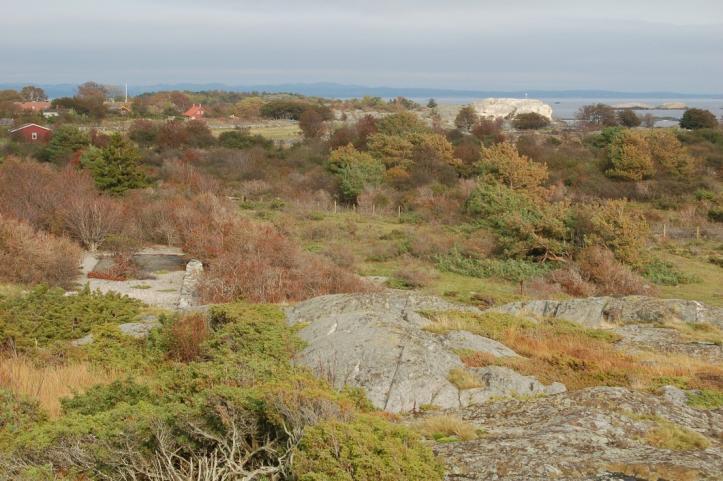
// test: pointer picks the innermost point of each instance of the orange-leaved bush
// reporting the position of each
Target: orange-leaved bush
(29, 256)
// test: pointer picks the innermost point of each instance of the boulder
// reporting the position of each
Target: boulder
(377, 341)
(604, 311)
(137, 330)
(508, 108)
(189, 288)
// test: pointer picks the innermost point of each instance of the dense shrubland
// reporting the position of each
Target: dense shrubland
(228, 403)
(544, 198)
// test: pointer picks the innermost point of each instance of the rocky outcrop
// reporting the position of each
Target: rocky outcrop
(606, 311)
(507, 108)
(633, 105)
(189, 289)
(592, 434)
(672, 106)
(377, 341)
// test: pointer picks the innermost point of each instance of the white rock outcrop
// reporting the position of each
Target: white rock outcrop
(508, 108)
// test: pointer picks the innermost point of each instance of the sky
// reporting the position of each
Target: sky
(631, 45)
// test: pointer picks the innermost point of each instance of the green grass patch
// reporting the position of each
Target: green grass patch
(707, 290)
(666, 274)
(705, 399)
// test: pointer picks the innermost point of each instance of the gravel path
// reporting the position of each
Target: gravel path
(163, 291)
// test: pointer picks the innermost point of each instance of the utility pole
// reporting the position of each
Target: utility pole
(126, 92)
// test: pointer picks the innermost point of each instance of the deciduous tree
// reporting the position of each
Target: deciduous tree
(466, 118)
(698, 119)
(30, 93)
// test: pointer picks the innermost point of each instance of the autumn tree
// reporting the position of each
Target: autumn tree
(628, 118)
(115, 168)
(489, 131)
(180, 101)
(629, 156)
(698, 119)
(143, 132)
(597, 116)
(466, 118)
(30, 93)
(615, 225)
(311, 123)
(506, 165)
(355, 170)
(91, 90)
(402, 123)
(669, 154)
(198, 134)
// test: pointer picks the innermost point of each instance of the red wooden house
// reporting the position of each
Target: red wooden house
(195, 112)
(32, 133)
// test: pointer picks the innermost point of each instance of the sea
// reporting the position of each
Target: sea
(566, 108)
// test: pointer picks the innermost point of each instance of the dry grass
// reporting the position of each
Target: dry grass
(49, 384)
(576, 356)
(187, 335)
(463, 379)
(668, 435)
(446, 427)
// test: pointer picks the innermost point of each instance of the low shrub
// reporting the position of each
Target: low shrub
(411, 276)
(509, 269)
(16, 413)
(101, 398)
(28, 256)
(44, 315)
(367, 448)
(187, 334)
(599, 266)
(666, 274)
(571, 281)
(530, 121)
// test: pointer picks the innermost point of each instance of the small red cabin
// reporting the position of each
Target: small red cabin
(32, 133)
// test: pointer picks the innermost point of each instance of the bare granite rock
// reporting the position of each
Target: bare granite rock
(377, 341)
(508, 108)
(604, 311)
(592, 434)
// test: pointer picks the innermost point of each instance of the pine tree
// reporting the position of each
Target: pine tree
(115, 168)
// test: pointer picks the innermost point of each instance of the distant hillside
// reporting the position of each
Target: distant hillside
(334, 90)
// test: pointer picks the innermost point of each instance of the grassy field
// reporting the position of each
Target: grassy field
(286, 133)
(708, 283)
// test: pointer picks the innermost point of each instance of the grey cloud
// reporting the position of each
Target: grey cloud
(628, 45)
